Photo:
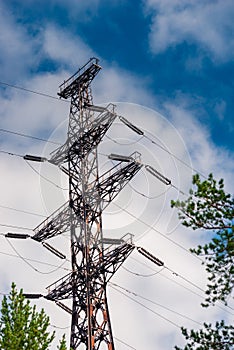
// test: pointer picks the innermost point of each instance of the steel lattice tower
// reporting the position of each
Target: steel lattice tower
(93, 262)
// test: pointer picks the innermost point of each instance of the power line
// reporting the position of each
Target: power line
(154, 303)
(22, 211)
(45, 178)
(119, 340)
(29, 136)
(37, 172)
(160, 177)
(36, 261)
(177, 283)
(141, 131)
(145, 136)
(174, 156)
(146, 196)
(122, 143)
(11, 154)
(165, 267)
(146, 307)
(18, 227)
(157, 231)
(143, 275)
(57, 327)
(30, 265)
(123, 342)
(32, 91)
(106, 155)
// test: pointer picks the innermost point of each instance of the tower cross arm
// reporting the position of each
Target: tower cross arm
(58, 222)
(85, 141)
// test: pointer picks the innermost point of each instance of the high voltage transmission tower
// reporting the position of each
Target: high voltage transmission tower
(94, 258)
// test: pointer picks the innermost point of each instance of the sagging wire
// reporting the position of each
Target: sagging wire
(154, 303)
(146, 307)
(155, 173)
(36, 261)
(179, 284)
(142, 132)
(18, 227)
(32, 91)
(29, 136)
(45, 178)
(124, 343)
(122, 119)
(145, 195)
(142, 275)
(33, 267)
(157, 231)
(57, 327)
(22, 211)
(11, 154)
(37, 172)
(123, 143)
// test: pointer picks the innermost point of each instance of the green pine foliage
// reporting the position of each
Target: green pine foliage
(210, 208)
(62, 345)
(220, 337)
(22, 327)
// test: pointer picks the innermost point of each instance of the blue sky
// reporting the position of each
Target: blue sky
(152, 40)
(168, 66)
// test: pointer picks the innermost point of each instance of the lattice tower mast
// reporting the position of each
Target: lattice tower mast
(90, 315)
(89, 195)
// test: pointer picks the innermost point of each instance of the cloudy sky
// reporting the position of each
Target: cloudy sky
(168, 68)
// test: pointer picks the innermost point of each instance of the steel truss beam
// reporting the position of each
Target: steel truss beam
(82, 145)
(108, 265)
(101, 269)
(107, 189)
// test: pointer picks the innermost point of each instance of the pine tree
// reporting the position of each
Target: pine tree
(210, 208)
(219, 337)
(22, 327)
(62, 345)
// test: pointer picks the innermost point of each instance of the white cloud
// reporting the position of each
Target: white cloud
(19, 50)
(59, 46)
(206, 23)
(205, 155)
(22, 188)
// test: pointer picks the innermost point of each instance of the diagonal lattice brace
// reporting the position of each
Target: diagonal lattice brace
(109, 264)
(107, 190)
(81, 146)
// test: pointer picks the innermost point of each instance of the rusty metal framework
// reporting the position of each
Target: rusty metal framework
(93, 261)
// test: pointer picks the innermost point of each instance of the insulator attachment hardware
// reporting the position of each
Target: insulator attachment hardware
(112, 241)
(131, 126)
(64, 307)
(34, 158)
(150, 256)
(32, 296)
(17, 235)
(95, 108)
(158, 175)
(120, 158)
(53, 250)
